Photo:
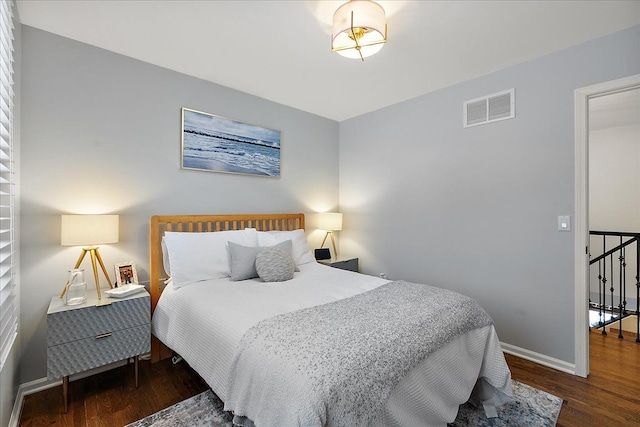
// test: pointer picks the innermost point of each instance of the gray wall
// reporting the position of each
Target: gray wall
(469, 209)
(475, 210)
(101, 134)
(10, 375)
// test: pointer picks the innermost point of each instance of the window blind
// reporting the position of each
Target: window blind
(8, 303)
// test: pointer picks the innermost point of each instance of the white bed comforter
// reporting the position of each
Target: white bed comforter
(205, 321)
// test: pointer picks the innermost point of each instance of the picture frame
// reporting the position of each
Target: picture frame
(217, 144)
(126, 273)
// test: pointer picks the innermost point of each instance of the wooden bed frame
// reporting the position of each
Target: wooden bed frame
(201, 223)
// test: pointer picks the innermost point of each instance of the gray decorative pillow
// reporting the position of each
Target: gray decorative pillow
(242, 259)
(274, 265)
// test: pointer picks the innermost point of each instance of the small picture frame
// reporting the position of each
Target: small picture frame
(126, 274)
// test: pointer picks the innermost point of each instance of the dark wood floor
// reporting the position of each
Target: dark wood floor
(110, 399)
(609, 397)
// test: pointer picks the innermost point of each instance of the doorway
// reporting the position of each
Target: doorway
(581, 242)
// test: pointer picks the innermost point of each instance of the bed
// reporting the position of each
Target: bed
(327, 347)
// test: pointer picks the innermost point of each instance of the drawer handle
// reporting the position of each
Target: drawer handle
(103, 336)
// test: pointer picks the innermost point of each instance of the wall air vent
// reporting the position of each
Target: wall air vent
(490, 108)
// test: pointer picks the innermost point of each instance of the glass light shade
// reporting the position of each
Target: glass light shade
(84, 230)
(367, 16)
(330, 221)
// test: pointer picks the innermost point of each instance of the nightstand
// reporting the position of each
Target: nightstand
(347, 264)
(86, 336)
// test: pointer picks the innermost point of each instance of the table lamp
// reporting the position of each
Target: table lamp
(330, 222)
(89, 231)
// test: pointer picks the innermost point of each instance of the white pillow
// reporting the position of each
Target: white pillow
(165, 258)
(202, 256)
(301, 253)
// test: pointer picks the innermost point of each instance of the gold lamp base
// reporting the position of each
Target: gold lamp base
(333, 242)
(95, 255)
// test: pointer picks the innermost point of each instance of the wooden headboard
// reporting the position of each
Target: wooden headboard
(202, 223)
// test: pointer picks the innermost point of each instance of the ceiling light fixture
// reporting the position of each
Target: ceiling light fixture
(359, 29)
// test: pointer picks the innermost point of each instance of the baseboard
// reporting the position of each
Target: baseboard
(24, 390)
(539, 358)
(44, 384)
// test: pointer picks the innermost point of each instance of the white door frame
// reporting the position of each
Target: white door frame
(581, 244)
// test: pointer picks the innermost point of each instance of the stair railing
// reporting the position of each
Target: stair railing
(606, 265)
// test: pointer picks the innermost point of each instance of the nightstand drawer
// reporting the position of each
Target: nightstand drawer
(93, 334)
(81, 355)
(74, 324)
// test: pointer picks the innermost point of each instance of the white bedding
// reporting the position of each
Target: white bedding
(204, 322)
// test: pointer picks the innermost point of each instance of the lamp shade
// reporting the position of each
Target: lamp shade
(359, 29)
(83, 230)
(330, 221)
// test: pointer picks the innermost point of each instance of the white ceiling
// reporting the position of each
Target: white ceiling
(279, 50)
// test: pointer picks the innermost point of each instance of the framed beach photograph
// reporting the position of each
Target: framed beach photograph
(217, 144)
(126, 274)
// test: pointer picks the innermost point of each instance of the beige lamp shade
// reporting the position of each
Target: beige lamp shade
(359, 29)
(330, 221)
(85, 230)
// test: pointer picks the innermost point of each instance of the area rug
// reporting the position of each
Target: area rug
(529, 407)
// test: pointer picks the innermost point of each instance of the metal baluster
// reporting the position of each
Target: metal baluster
(622, 290)
(612, 289)
(589, 286)
(604, 282)
(600, 294)
(638, 290)
(624, 281)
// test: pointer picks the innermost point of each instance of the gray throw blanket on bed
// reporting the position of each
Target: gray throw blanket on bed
(336, 364)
